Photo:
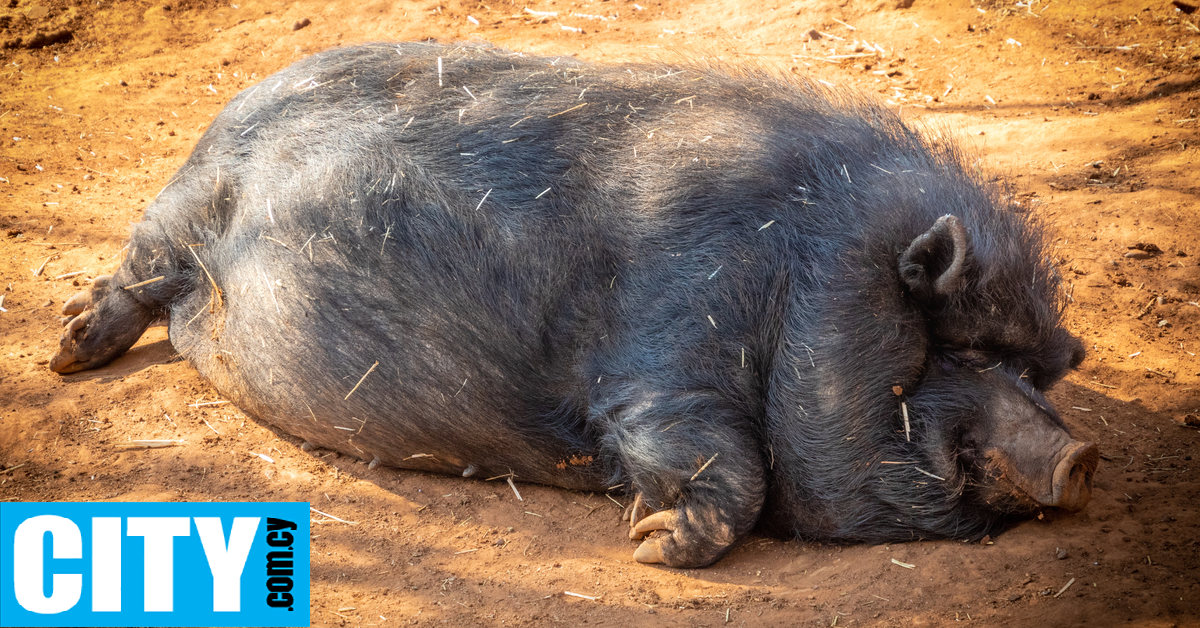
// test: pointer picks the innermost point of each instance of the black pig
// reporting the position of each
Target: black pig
(747, 300)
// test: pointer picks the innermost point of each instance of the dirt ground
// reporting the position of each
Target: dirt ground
(1089, 107)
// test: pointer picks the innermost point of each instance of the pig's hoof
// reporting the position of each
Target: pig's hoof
(634, 513)
(69, 358)
(101, 324)
(695, 535)
(86, 299)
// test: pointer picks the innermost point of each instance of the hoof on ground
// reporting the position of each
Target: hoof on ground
(101, 324)
(689, 535)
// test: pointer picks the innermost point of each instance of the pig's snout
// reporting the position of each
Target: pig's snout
(1071, 488)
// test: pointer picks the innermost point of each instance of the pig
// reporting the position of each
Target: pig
(747, 301)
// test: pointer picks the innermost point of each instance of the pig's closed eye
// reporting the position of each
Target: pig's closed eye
(969, 358)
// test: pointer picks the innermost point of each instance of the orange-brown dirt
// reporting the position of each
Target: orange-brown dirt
(1089, 107)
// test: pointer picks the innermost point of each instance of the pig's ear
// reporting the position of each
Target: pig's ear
(935, 263)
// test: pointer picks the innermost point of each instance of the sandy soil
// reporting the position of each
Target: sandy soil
(1091, 108)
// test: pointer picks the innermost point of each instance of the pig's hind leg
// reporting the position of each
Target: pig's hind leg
(101, 324)
(106, 320)
(700, 468)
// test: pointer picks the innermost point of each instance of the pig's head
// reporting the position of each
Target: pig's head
(995, 344)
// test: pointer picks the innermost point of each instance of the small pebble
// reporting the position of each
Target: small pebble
(1061, 554)
(301, 24)
(1136, 254)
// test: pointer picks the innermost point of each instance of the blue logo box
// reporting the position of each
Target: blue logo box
(154, 564)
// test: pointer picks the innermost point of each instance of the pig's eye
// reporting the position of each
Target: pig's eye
(967, 444)
(970, 358)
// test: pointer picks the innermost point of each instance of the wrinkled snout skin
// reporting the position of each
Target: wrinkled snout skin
(1031, 449)
(746, 300)
(1027, 457)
